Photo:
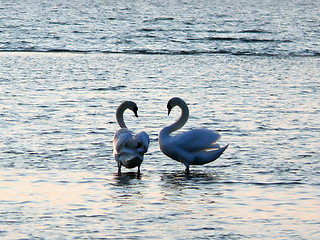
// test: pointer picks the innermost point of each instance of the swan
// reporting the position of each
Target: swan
(128, 148)
(194, 147)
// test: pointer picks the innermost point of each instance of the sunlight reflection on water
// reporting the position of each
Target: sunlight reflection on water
(197, 201)
(57, 171)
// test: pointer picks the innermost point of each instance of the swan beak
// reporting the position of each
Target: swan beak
(169, 110)
(135, 110)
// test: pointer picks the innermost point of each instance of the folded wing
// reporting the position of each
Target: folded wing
(197, 140)
(123, 140)
(143, 141)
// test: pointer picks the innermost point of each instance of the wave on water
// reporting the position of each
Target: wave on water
(238, 39)
(304, 53)
(111, 88)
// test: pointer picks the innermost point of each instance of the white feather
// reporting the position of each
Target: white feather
(128, 148)
(194, 147)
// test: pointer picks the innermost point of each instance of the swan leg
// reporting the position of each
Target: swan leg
(138, 170)
(119, 168)
(187, 167)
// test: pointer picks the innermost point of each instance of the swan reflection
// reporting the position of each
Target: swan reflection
(126, 179)
(189, 178)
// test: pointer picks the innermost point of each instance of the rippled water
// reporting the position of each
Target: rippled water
(58, 177)
(168, 27)
(253, 75)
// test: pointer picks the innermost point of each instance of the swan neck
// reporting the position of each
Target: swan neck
(182, 119)
(119, 115)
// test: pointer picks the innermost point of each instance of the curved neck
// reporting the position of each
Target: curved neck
(182, 119)
(119, 115)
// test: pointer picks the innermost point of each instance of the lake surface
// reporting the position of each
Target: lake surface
(249, 70)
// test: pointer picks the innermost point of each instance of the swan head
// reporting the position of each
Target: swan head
(176, 101)
(127, 105)
(133, 107)
(120, 110)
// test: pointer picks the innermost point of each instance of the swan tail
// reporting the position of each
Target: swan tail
(205, 157)
(132, 162)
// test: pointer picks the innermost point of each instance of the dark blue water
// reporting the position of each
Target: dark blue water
(167, 27)
(249, 70)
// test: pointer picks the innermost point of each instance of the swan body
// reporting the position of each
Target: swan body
(194, 147)
(128, 148)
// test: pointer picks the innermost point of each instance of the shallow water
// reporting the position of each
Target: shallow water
(58, 178)
(248, 69)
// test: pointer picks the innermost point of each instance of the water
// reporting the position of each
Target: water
(167, 27)
(252, 74)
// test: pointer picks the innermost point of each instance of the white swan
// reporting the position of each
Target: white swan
(128, 149)
(195, 147)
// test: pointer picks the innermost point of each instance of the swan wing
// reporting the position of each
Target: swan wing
(143, 141)
(123, 139)
(197, 139)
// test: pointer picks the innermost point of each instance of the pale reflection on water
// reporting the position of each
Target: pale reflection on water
(149, 205)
